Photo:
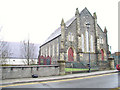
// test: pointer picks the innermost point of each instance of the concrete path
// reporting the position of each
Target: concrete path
(40, 79)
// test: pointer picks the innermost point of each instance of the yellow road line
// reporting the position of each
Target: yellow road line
(57, 80)
(116, 88)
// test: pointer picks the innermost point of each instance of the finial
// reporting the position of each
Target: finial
(62, 22)
(94, 15)
(105, 30)
(77, 11)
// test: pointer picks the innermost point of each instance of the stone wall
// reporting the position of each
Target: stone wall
(9, 72)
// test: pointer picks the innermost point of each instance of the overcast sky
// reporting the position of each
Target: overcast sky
(39, 18)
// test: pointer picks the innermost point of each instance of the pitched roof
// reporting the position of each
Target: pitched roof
(57, 32)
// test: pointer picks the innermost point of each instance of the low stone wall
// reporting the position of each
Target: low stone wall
(9, 72)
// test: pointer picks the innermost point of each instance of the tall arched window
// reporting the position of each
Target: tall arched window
(53, 50)
(82, 43)
(101, 40)
(49, 50)
(43, 51)
(70, 36)
(91, 43)
(87, 41)
(46, 51)
(57, 49)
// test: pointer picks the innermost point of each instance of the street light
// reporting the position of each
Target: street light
(88, 26)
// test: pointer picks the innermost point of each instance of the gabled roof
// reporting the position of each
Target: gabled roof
(57, 32)
(99, 28)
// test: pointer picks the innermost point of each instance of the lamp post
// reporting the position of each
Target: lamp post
(88, 26)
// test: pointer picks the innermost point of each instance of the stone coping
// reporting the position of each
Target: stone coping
(29, 66)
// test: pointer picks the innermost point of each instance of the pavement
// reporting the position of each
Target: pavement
(50, 78)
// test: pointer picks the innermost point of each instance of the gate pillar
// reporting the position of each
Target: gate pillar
(61, 64)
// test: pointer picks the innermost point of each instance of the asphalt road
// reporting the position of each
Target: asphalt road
(98, 81)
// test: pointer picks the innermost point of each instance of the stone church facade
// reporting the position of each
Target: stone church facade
(74, 41)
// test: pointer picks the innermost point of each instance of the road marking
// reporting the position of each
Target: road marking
(57, 80)
(116, 88)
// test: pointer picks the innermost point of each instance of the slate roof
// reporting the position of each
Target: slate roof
(16, 52)
(57, 32)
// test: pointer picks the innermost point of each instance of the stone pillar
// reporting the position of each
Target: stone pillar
(61, 64)
(111, 63)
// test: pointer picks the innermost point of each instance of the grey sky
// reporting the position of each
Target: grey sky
(40, 18)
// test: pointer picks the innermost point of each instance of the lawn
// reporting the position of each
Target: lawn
(75, 69)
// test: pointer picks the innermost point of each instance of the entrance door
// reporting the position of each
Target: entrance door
(102, 54)
(70, 55)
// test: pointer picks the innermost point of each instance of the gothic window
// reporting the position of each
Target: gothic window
(82, 42)
(79, 42)
(46, 51)
(53, 50)
(70, 36)
(57, 49)
(91, 43)
(98, 41)
(101, 40)
(49, 50)
(87, 42)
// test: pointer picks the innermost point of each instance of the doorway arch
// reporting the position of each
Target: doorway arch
(70, 54)
(102, 54)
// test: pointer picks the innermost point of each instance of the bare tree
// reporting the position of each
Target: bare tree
(5, 52)
(28, 52)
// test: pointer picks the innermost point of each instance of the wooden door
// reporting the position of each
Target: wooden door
(102, 54)
(70, 55)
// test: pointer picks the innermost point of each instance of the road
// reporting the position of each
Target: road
(98, 81)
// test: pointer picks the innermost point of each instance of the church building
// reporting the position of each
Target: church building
(79, 40)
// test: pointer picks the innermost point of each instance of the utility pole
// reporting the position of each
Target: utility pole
(88, 26)
(28, 50)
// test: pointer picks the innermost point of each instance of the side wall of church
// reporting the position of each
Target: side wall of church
(51, 49)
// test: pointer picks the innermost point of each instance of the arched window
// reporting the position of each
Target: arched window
(57, 49)
(53, 50)
(100, 40)
(91, 43)
(87, 41)
(43, 51)
(49, 50)
(70, 36)
(46, 51)
(82, 43)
